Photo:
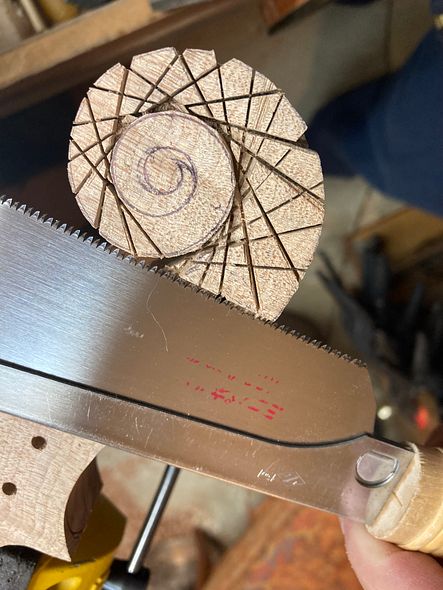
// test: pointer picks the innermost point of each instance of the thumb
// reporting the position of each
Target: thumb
(383, 566)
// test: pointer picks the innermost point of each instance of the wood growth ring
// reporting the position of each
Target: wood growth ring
(183, 158)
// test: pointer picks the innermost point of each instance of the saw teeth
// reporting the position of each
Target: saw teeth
(104, 246)
(4, 200)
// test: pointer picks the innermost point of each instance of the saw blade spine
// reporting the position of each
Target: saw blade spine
(150, 266)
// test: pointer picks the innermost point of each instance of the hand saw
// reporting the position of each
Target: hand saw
(96, 345)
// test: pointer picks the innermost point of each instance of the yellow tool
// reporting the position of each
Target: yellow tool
(92, 562)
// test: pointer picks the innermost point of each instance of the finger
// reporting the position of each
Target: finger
(383, 566)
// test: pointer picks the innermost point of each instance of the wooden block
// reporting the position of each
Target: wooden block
(65, 42)
(203, 164)
(49, 483)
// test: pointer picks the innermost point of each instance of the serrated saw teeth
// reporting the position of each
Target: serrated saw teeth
(102, 245)
(274, 384)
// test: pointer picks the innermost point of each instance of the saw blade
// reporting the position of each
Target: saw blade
(73, 309)
(99, 346)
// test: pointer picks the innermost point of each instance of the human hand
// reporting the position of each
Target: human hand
(384, 566)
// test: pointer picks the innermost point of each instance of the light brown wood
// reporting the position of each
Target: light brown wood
(413, 516)
(49, 483)
(162, 170)
(73, 38)
(254, 253)
(29, 75)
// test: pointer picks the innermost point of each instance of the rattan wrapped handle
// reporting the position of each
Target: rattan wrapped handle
(412, 518)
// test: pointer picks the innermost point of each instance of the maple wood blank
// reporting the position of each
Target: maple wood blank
(48, 488)
(178, 156)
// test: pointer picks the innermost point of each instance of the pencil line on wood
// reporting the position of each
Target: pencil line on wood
(200, 92)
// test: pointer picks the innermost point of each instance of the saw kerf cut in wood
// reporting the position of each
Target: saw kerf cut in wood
(203, 164)
(49, 483)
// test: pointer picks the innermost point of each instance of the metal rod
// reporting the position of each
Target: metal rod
(150, 525)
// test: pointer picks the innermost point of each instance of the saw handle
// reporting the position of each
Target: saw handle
(412, 517)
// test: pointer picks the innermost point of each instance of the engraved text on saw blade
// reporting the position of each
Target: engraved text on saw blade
(288, 478)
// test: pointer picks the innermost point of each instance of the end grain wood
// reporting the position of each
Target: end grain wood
(163, 169)
(49, 483)
(250, 243)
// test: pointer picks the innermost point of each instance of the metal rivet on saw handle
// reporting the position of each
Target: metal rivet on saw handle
(375, 469)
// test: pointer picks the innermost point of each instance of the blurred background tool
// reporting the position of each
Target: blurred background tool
(395, 316)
